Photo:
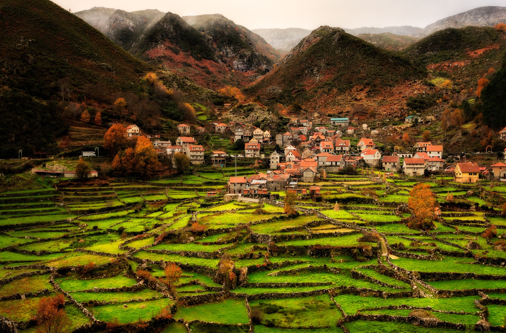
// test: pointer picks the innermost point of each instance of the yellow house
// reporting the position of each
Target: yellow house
(467, 172)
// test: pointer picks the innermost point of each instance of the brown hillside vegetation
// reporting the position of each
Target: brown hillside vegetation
(330, 69)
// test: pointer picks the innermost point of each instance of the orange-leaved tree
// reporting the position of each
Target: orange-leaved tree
(482, 83)
(146, 159)
(290, 198)
(232, 92)
(172, 276)
(406, 138)
(51, 316)
(98, 119)
(115, 139)
(426, 136)
(188, 111)
(85, 116)
(422, 202)
(83, 170)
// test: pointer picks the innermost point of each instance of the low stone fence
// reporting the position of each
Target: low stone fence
(27, 295)
(98, 303)
(23, 275)
(131, 289)
(430, 323)
(7, 326)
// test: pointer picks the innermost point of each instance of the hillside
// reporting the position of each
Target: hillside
(493, 98)
(125, 28)
(283, 39)
(389, 41)
(41, 45)
(332, 71)
(97, 17)
(479, 17)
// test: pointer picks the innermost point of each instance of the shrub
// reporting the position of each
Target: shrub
(256, 316)
(490, 233)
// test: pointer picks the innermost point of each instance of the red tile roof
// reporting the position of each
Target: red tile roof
(182, 125)
(187, 139)
(468, 167)
(335, 158)
(342, 143)
(195, 148)
(390, 159)
(237, 180)
(498, 165)
(414, 161)
(369, 152)
(252, 146)
(437, 159)
(435, 148)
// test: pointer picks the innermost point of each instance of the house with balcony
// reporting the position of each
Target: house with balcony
(371, 157)
(391, 163)
(252, 150)
(414, 167)
(195, 153)
(219, 158)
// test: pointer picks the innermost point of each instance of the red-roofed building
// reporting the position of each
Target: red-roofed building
(237, 185)
(200, 130)
(414, 167)
(326, 147)
(422, 146)
(467, 172)
(252, 150)
(435, 151)
(195, 153)
(425, 156)
(335, 161)
(309, 174)
(293, 155)
(391, 163)
(133, 130)
(435, 164)
(365, 143)
(183, 129)
(220, 127)
(371, 157)
(184, 141)
(342, 146)
(322, 158)
(499, 170)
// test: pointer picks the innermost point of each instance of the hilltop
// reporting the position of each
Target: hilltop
(283, 39)
(331, 70)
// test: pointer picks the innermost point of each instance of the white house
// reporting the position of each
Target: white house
(371, 156)
(435, 151)
(133, 130)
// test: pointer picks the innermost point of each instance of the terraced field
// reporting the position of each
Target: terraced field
(347, 263)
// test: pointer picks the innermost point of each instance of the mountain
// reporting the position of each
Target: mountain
(235, 45)
(402, 30)
(479, 17)
(330, 64)
(41, 45)
(283, 39)
(389, 41)
(97, 17)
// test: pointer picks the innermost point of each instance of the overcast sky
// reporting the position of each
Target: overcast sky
(308, 14)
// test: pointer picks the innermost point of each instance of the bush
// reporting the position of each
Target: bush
(256, 316)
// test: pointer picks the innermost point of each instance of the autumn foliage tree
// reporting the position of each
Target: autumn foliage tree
(232, 92)
(290, 198)
(83, 170)
(482, 83)
(51, 316)
(146, 159)
(98, 119)
(115, 139)
(85, 116)
(189, 113)
(225, 274)
(172, 275)
(426, 136)
(181, 161)
(406, 138)
(422, 203)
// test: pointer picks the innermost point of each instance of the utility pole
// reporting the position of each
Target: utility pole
(97, 149)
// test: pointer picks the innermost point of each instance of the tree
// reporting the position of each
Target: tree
(51, 316)
(457, 118)
(128, 161)
(406, 138)
(225, 273)
(181, 161)
(98, 119)
(239, 145)
(426, 136)
(290, 198)
(85, 116)
(172, 276)
(120, 103)
(115, 139)
(422, 202)
(83, 170)
(232, 92)
(482, 83)
(188, 112)
(146, 159)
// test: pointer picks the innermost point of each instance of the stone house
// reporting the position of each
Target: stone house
(279, 140)
(371, 157)
(309, 174)
(365, 143)
(267, 136)
(414, 167)
(247, 135)
(287, 138)
(275, 158)
(289, 149)
(200, 130)
(335, 162)
(184, 141)
(502, 134)
(422, 146)
(499, 170)
(435, 151)
(219, 158)
(326, 147)
(174, 149)
(184, 129)
(350, 130)
(391, 163)
(238, 133)
(435, 164)
(292, 156)
(342, 146)
(252, 150)
(133, 130)
(236, 185)
(195, 153)
(467, 172)
(158, 144)
(258, 134)
(220, 127)
(322, 158)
